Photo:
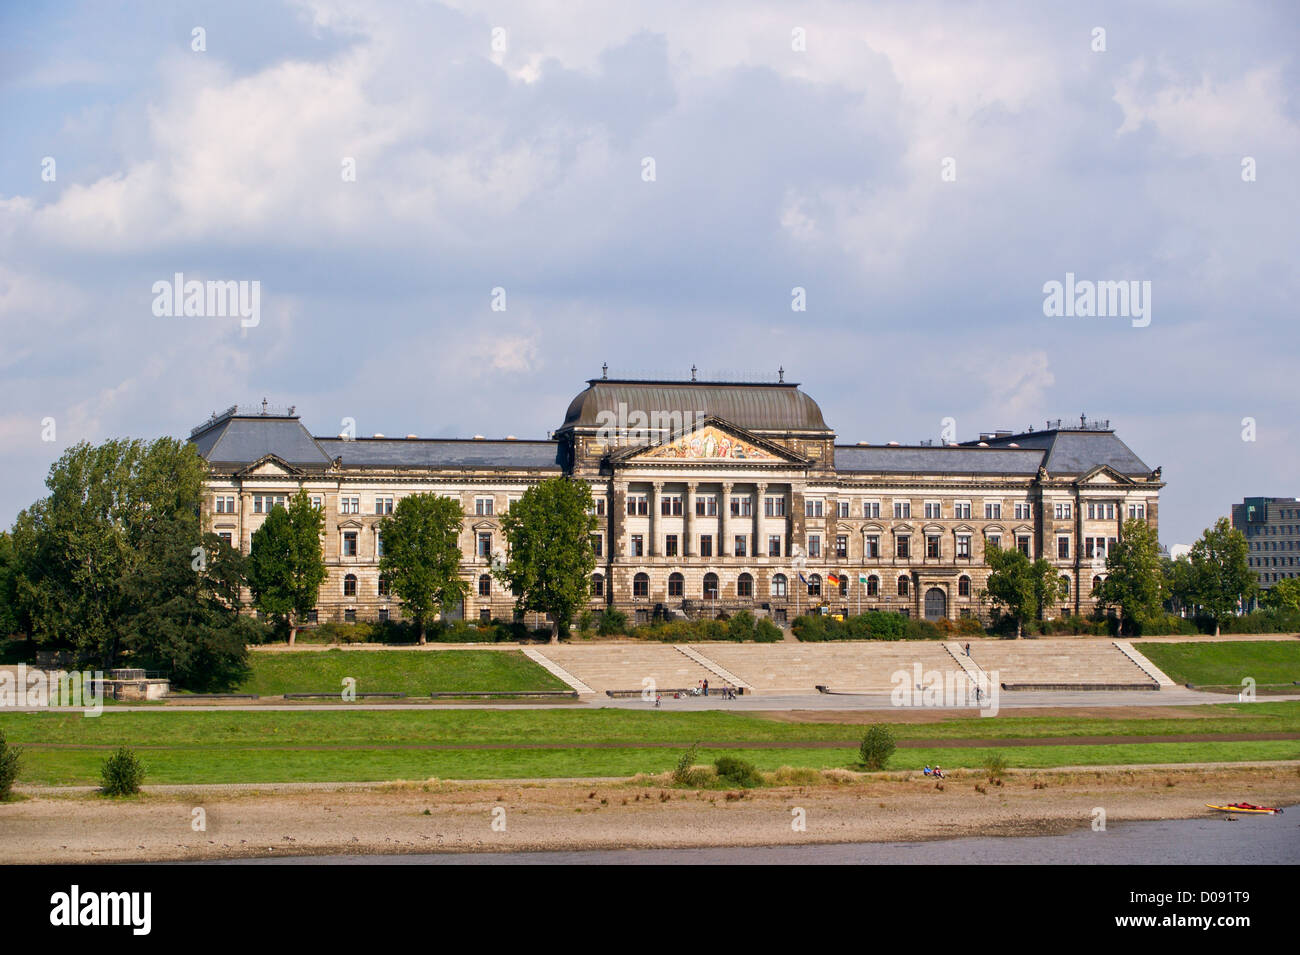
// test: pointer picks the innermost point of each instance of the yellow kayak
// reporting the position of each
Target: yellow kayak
(1244, 807)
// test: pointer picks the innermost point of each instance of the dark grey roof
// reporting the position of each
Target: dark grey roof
(754, 407)
(442, 453)
(243, 440)
(1079, 451)
(937, 460)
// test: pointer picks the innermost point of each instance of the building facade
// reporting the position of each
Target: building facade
(1272, 529)
(710, 497)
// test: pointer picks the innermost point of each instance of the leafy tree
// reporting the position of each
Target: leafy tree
(121, 774)
(1020, 588)
(422, 555)
(548, 532)
(1133, 581)
(1283, 595)
(877, 746)
(1176, 584)
(1221, 577)
(12, 619)
(80, 551)
(9, 760)
(285, 564)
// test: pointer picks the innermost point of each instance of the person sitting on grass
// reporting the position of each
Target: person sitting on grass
(938, 773)
(927, 769)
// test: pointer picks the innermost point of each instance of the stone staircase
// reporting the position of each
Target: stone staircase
(847, 666)
(624, 666)
(1061, 665)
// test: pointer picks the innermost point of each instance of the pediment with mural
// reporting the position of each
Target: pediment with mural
(713, 442)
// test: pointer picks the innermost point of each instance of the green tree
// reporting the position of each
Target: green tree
(1176, 584)
(422, 555)
(80, 551)
(1020, 588)
(285, 564)
(1283, 595)
(550, 560)
(1221, 576)
(12, 619)
(1133, 581)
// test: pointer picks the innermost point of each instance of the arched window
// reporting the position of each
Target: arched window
(814, 585)
(641, 585)
(676, 585)
(902, 586)
(873, 586)
(598, 585)
(485, 585)
(744, 586)
(778, 585)
(350, 585)
(710, 586)
(1065, 583)
(1096, 584)
(963, 586)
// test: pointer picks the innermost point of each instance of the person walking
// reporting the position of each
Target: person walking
(706, 687)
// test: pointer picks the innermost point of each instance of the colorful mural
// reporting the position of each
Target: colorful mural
(712, 444)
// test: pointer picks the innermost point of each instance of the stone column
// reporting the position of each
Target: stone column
(724, 522)
(688, 522)
(656, 490)
(795, 520)
(759, 491)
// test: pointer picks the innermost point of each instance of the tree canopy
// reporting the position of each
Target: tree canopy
(1132, 586)
(1221, 578)
(1020, 588)
(286, 565)
(421, 559)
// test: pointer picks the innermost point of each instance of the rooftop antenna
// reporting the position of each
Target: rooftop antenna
(780, 375)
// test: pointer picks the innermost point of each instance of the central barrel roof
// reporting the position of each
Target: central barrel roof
(755, 407)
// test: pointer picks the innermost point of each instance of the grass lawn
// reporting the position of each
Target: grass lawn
(240, 746)
(1223, 664)
(396, 671)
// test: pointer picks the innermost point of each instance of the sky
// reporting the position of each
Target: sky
(646, 184)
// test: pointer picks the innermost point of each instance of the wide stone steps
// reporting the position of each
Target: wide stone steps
(628, 666)
(801, 667)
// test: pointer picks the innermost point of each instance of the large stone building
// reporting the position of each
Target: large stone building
(1272, 529)
(710, 496)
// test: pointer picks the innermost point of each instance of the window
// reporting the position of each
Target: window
(1063, 548)
(598, 585)
(963, 545)
(710, 586)
(670, 545)
(227, 537)
(350, 615)
(932, 546)
(598, 544)
(1065, 583)
(1096, 583)
(933, 510)
(350, 585)
(779, 585)
(844, 585)
(348, 505)
(902, 586)
(812, 508)
(638, 546)
(383, 505)
(963, 586)
(992, 511)
(483, 506)
(870, 509)
(484, 585)
(814, 545)
(871, 546)
(225, 505)
(383, 588)
(484, 544)
(842, 509)
(349, 543)
(842, 546)
(745, 586)
(484, 615)
(993, 542)
(903, 547)
(313, 615)
(599, 508)
(814, 585)
(641, 586)
(902, 509)
(740, 545)
(742, 506)
(774, 507)
(873, 586)
(1061, 512)
(1022, 544)
(706, 505)
(676, 585)
(706, 545)
(1138, 511)
(670, 505)
(961, 510)
(317, 501)
(637, 504)
(773, 545)
(1022, 512)
(1110, 512)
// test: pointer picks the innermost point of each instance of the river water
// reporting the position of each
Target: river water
(1214, 840)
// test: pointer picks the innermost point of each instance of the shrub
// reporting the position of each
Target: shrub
(995, 764)
(737, 772)
(765, 631)
(872, 625)
(9, 756)
(741, 626)
(122, 774)
(612, 622)
(586, 623)
(877, 746)
(684, 763)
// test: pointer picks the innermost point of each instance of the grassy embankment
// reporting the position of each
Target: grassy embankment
(1271, 663)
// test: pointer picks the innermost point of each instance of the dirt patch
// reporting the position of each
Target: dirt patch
(442, 816)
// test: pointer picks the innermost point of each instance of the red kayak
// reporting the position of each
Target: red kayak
(1243, 807)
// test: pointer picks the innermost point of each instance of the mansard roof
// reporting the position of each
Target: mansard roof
(758, 406)
(936, 460)
(1077, 450)
(236, 439)
(442, 453)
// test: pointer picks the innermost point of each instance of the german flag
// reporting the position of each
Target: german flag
(833, 579)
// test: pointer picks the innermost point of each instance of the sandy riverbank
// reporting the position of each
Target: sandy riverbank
(444, 816)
